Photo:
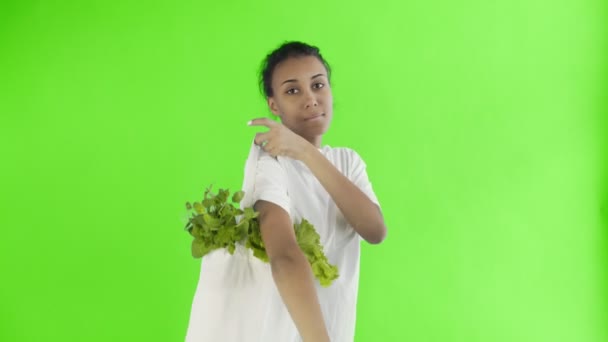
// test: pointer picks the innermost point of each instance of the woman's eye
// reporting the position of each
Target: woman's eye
(319, 85)
(291, 91)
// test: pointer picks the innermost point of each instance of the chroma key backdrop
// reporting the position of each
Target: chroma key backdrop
(483, 125)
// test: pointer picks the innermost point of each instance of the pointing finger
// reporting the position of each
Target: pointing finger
(262, 122)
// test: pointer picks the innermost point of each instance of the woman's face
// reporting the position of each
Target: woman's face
(302, 96)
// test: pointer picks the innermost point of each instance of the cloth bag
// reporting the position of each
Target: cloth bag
(236, 299)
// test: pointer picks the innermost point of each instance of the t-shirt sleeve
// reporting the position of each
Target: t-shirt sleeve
(358, 176)
(270, 182)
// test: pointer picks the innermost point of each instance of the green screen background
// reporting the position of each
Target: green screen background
(482, 124)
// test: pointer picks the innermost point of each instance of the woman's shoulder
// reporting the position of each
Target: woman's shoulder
(344, 158)
(341, 152)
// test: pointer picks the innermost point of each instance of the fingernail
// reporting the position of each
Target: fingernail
(248, 123)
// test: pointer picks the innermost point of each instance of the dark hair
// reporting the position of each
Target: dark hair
(282, 53)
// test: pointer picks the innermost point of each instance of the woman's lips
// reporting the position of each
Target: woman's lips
(315, 117)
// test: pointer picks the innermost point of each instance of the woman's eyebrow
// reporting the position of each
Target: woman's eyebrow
(295, 81)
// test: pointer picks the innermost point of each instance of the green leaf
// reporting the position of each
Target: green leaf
(199, 249)
(238, 196)
(195, 231)
(207, 203)
(223, 195)
(212, 221)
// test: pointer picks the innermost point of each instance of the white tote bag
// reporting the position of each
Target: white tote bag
(236, 299)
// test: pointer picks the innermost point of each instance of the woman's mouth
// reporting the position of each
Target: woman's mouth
(316, 117)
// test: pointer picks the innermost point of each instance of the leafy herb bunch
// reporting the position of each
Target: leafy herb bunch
(214, 225)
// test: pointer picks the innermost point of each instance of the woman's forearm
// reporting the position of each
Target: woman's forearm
(363, 215)
(294, 279)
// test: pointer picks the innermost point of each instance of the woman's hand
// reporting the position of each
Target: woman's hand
(280, 140)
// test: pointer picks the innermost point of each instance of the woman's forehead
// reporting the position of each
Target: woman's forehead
(298, 68)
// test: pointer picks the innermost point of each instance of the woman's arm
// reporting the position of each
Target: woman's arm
(291, 271)
(363, 215)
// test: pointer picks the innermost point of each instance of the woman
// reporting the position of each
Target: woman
(240, 298)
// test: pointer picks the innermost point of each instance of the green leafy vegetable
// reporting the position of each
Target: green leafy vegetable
(213, 225)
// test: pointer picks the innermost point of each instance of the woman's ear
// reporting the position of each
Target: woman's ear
(274, 108)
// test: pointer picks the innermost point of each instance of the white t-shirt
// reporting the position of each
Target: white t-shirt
(236, 299)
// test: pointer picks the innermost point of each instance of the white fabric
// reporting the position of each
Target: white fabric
(236, 299)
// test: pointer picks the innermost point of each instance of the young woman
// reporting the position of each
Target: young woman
(241, 299)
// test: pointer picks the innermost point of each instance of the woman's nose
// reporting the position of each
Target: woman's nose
(310, 100)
